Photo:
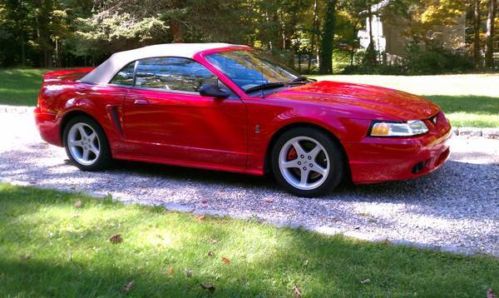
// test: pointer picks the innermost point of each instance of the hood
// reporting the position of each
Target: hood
(363, 100)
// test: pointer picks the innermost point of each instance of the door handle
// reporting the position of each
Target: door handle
(140, 101)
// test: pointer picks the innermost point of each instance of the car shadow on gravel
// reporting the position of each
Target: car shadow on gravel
(192, 174)
(454, 180)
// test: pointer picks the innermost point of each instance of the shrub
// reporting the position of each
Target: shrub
(434, 59)
(420, 60)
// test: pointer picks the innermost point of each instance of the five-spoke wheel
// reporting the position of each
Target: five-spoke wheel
(83, 144)
(307, 162)
(304, 163)
(86, 144)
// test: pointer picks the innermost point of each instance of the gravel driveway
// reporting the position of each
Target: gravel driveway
(455, 209)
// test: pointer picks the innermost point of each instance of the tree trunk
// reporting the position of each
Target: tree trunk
(489, 54)
(352, 43)
(476, 40)
(299, 62)
(371, 50)
(326, 55)
(315, 29)
(56, 53)
(177, 31)
(23, 50)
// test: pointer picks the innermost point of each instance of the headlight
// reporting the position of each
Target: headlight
(398, 129)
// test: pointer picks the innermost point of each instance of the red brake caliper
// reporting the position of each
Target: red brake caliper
(292, 154)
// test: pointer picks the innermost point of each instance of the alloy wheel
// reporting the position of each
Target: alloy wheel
(83, 143)
(304, 163)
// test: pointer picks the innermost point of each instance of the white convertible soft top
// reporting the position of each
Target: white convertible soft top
(103, 73)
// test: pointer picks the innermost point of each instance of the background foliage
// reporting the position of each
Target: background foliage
(308, 34)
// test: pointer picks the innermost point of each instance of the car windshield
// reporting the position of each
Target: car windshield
(250, 71)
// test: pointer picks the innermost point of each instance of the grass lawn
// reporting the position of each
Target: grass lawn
(469, 111)
(20, 86)
(468, 100)
(55, 244)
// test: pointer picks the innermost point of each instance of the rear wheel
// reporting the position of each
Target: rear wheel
(86, 144)
(307, 162)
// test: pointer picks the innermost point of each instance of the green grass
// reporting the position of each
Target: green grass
(20, 86)
(51, 248)
(469, 111)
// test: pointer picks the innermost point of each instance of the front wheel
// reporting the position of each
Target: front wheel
(86, 144)
(307, 162)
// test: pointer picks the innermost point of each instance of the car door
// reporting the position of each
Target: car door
(165, 117)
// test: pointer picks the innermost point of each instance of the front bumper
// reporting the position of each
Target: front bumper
(374, 160)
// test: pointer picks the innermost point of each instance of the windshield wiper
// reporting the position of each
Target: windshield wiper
(301, 79)
(265, 86)
(271, 85)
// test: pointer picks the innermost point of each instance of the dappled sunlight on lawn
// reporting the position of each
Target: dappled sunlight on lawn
(57, 244)
(463, 119)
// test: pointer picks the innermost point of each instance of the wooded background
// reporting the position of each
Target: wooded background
(310, 35)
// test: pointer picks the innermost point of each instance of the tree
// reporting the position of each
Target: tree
(476, 33)
(315, 35)
(16, 26)
(370, 58)
(327, 42)
(352, 15)
(489, 52)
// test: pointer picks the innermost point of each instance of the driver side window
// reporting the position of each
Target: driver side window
(172, 73)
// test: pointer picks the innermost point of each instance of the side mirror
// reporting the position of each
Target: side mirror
(213, 90)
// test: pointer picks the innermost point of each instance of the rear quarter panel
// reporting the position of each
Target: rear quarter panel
(61, 99)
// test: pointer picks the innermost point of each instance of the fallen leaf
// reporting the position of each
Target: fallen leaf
(296, 292)
(226, 260)
(200, 217)
(170, 270)
(365, 281)
(208, 286)
(211, 254)
(78, 204)
(188, 272)
(490, 294)
(115, 239)
(128, 287)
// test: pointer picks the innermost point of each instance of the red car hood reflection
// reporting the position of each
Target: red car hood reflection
(371, 101)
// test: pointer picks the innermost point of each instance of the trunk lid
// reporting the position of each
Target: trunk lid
(65, 75)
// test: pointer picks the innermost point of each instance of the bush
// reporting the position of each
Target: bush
(434, 59)
(420, 60)
(381, 69)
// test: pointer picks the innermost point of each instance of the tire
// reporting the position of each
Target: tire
(86, 144)
(307, 162)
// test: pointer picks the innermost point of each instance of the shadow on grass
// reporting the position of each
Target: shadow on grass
(467, 104)
(265, 261)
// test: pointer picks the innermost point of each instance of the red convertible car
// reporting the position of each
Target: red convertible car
(224, 107)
